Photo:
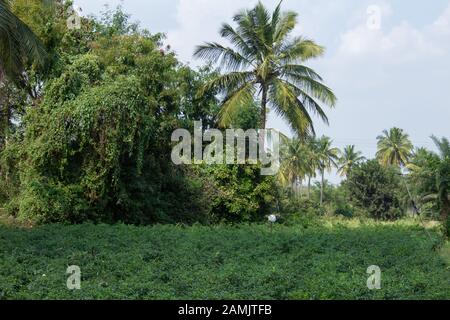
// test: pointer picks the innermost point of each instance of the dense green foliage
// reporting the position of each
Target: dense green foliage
(239, 193)
(430, 180)
(98, 158)
(311, 261)
(103, 156)
(375, 189)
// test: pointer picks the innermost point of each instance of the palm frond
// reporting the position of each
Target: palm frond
(299, 70)
(248, 30)
(234, 101)
(228, 32)
(443, 146)
(314, 88)
(228, 82)
(299, 50)
(309, 102)
(286, 104)
(276, 19)
(224, 56)
(18, 44)
(286, 25)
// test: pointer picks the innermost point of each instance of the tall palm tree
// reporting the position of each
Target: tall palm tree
(18, 44)
(268, 64)
(327, 157)
(394, 148)
(294, 164)
(311, 166)
(349, 158)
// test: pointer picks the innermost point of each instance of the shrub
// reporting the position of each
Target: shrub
(238, 193)
(375, 189)
(346, 212)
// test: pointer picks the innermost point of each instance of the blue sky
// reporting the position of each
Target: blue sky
(394, 75)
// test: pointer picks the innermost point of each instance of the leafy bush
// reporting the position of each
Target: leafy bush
(238, 193)
(346, 212)
(294, 205)
(375, 189)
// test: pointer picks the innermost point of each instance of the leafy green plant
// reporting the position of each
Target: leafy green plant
(326, 260)
(375, 189)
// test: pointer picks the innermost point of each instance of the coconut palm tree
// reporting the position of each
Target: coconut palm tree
(18, 44)
(266, 63)
(327, 157)
(348, 160)
(430, 172)
(442, 196)
(394, 148)
(294, 164)
(312, 162)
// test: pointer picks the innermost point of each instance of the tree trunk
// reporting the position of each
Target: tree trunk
(322, 186)
(262, 141)
(263, 107)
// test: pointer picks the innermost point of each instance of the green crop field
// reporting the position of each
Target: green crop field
(326, 259)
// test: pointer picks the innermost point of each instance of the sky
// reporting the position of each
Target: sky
(388, 61)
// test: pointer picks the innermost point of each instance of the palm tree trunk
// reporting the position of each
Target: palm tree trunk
(263, 117)
(263, 107)
(322, 186)
(262, 137)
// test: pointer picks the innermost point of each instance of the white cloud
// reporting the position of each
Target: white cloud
(199, 21)
(394, 76)
(402, 43)
(442, 24)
